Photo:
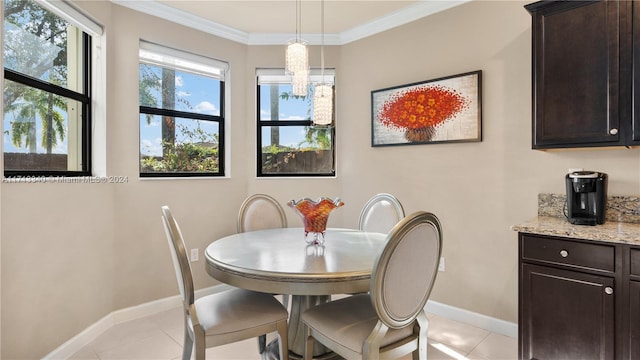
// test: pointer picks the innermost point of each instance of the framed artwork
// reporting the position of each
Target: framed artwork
(443, 110)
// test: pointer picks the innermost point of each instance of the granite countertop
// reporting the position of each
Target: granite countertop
(610, 231)
(622, 223)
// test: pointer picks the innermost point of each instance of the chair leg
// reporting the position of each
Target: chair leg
(308, 345)
(188, 341)
(262, 343)
(371, 346)
(188, 346)
(200, 350)
(423, 324)
(283, 343)
(200, 346)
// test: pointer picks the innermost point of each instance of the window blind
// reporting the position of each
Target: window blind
(159, 55)
(278, 76)
(68, 12)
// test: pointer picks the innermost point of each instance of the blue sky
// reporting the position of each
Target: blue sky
(194, 93)
(199, 94)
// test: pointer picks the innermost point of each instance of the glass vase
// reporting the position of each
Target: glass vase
(314, 216)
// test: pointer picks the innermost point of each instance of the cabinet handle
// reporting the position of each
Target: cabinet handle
(613, 131)
(608, 290)
(564, 253)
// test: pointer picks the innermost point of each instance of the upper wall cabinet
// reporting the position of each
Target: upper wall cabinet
(583, 61)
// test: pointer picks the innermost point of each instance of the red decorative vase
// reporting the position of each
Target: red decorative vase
(314, 216)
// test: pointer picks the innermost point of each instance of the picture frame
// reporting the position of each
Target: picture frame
(442, 110)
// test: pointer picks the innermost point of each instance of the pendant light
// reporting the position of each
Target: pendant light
(299, 82)
(323, 94)
(297, 57)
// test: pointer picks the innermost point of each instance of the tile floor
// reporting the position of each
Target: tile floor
(159, 337)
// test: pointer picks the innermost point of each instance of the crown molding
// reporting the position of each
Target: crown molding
(283, 38)
(403, 16)
(182, 17)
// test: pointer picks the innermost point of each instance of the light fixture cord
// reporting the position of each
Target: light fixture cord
(322, 41)
(298, 19)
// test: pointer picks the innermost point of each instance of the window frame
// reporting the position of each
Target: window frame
(286, 123)
(219, 119)
(85, 98)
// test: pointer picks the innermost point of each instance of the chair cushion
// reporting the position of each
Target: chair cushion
(237, 309)
(349, 321)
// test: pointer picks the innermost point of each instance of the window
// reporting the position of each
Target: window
(288, 143)
(47, 89)
(181, 113)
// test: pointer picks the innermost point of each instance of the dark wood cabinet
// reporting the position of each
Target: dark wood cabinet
(633, 344)
(635, 68)
(568, 314)
(578, 299)
(567, 299)
(634, 320)
(586, 81)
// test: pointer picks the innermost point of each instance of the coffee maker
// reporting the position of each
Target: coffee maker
(586, 197)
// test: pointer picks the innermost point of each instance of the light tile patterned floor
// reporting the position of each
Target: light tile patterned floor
(159, 337)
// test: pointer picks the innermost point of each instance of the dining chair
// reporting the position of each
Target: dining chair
(390, 321)
(380, 213)
(259, 212)
(224, 317)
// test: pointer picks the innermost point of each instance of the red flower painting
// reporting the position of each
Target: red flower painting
(421, 110)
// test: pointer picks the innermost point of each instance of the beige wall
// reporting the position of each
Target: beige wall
(140, 242)
(57, 260)
(477, 189)
(72, 253)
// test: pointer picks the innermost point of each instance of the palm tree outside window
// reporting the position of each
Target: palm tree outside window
(289, 145)
(182, 107)
(47, 93)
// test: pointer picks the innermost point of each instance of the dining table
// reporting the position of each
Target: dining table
(280, 261)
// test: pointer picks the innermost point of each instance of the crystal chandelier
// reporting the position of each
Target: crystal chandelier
(299, 83)
(323, 105)
(323, 96)
(297, 57)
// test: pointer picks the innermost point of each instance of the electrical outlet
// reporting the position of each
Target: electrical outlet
(441, 264)
(194, 255)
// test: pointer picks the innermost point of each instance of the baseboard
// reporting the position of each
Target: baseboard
(73, 345)
(489, 323)
(89, 334)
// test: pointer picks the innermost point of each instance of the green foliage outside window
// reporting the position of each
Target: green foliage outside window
(198, 154)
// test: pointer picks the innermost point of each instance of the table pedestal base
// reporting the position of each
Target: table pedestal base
(271, 353)
(297, 335)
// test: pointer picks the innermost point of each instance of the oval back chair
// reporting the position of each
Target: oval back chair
(380, 213)
(259, 212)
(223, 317)
(390, 321)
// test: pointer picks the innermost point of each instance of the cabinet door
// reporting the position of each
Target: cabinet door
(635, 123)
(576, 80)
(565, 314)
(634, 320)
(634, 304)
